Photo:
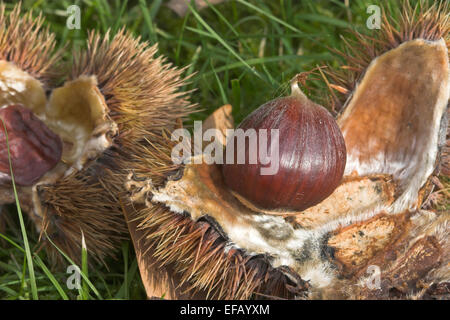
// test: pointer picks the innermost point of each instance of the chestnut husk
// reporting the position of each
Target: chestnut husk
(115, 94)
(311, 155)
(374, 218)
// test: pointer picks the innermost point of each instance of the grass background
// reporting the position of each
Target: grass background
(242, 52)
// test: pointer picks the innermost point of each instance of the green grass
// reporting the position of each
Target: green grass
(258, 45)
(242, 52)
(27, 251)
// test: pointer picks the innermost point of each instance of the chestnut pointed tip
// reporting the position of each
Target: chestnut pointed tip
(297, 92)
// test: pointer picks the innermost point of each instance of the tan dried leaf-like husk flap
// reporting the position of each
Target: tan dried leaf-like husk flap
(391, 125)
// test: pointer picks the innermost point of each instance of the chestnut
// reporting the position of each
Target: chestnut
(34, 148)
(311, 155)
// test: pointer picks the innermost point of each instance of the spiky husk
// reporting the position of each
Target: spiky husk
(203, 259)
(76, 205)
(141, 92)
(208, 265)
(25, 42)
(140, 89)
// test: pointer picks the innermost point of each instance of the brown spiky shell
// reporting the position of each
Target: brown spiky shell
(25, 42)
(200, 259)
(139, 96)
(142, 95)
(78, 202)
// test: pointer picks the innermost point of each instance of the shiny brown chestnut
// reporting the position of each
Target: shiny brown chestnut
(34, 148)
(311, 155)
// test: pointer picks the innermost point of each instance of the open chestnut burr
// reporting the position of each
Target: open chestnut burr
(391, 99)
(69, 143)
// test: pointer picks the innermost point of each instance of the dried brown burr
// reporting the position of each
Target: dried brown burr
(115, 95)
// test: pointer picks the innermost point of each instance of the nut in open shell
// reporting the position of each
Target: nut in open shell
(393, 121)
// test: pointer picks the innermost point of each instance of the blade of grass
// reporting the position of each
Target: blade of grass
(256, 61)
(83, 275)
(9, 291)
(51, 277)
(148, 21)
(222, 92)
(221, 41)
(227, 23)
(154, 8)
(11, 242)
(105, 285)
(180, 39)
(269, 15)
(22, 224)
(41, 264)
(323, 20)
(236, 90)
(191, 68)
(119, 17)
(102, 14)
(23, 283)
(84, 267)
(7, 267)
(123, 292)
